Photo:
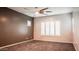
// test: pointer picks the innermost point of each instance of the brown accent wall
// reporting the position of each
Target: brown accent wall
(66, 32)
(10, 24)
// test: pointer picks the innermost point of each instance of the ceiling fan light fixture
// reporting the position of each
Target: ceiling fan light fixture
(36, 12)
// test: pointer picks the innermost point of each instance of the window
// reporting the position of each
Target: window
(42, 28)
(57, 28)
(47, 28)
(28, 23)
(50, 28)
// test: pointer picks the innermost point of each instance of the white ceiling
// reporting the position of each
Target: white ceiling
(30, 11)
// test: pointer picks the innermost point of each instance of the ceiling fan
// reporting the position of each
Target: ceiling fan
(43, 11)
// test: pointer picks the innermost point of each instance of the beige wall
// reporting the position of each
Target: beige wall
(66, 33)
(76, 30)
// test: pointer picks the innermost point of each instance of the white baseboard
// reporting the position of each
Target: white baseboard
(15, 44)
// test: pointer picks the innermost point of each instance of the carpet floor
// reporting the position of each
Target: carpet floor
(40, 46)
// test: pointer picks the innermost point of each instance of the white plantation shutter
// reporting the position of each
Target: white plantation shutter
(50, 28)
(57, 28)
(42, 28)
(47, 28)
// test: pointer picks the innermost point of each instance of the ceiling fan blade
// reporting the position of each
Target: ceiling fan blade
(43, 9)
(36, 7)
(48, 11)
